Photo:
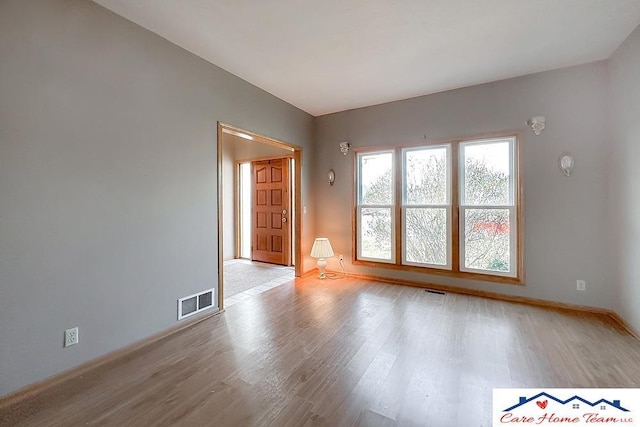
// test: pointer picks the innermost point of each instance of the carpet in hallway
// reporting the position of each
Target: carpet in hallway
(241, 275)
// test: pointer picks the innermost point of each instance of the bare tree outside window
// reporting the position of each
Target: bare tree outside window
(487, 196)
(376, 201)
(426, 205)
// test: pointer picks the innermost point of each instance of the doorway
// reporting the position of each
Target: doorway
(265, 204)
(237, 147)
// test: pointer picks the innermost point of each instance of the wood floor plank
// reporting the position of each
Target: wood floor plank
(349, 352)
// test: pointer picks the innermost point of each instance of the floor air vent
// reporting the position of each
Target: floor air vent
(434, 297)
(195, 303)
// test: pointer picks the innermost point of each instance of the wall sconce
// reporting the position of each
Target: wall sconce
(537, 124)
(566, 163)
(332, 176)
(322, 249)
(344, 147)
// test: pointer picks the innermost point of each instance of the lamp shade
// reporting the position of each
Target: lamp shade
(321, 248)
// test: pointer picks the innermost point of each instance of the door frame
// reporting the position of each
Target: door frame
(296, 153)
(237, 205)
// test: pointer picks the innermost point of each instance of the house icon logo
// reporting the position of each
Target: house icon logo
(542, 400)
(576, 407)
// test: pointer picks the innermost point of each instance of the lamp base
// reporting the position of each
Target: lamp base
(322, 265)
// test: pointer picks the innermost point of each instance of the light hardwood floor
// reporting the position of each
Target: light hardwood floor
(343, 353)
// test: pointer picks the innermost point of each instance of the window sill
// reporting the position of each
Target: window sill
(438, 272)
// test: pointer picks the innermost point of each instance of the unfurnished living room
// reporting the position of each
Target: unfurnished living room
(321, 213)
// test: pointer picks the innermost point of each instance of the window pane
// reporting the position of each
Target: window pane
(375, 233)
(426, 176)
(426, 235)
(376, 181)
(487, 239)
(486, 173)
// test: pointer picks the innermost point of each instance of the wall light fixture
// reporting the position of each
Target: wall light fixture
(537, 124)
(566, 163)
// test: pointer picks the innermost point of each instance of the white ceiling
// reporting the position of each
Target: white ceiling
(325, 56)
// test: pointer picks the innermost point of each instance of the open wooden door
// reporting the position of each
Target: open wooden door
(271, 240)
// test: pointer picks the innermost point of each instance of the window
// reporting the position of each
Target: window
(376, 215)
(487, 208)
(426, 206)
(454, 206)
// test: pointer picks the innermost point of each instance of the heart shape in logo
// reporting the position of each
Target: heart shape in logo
(542, 403)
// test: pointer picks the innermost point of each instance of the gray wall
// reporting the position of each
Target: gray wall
(566, 237)
(624, 68)
(108, 180)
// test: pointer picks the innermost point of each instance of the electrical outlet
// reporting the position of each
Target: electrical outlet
(581, 285)
(71, 337)
(341, 257)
